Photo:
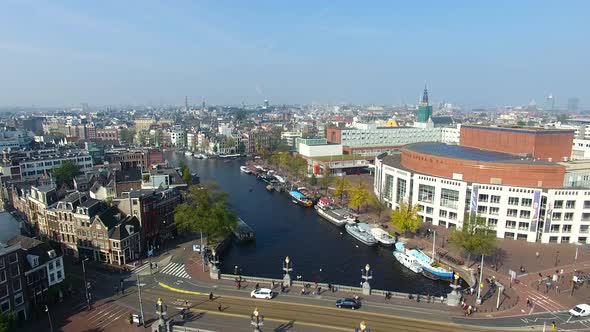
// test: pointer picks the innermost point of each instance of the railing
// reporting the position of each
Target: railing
(178, 328)
(301, 283)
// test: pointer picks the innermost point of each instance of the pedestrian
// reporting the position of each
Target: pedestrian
(210, 296)
(186, 304)
(528, 302)
(330, 287)
(553, 325)
(257, 286)
(151, 266)
(303, 291)
(272, 284)
(537, 254)
(442, 299)
(219, 307)
(319, 290)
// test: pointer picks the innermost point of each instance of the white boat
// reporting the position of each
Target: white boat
(338, 217)
(188, 153)
(361, 232)
(245, 169)
(408, 261)
(280, 178)
(382, 236)
(428, 265)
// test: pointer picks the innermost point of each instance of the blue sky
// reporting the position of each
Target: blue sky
(472, 53)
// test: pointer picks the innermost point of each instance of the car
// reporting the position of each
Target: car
(581, 310)
(348, 303)
(262, 293)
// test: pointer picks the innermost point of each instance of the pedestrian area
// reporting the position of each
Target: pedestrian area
(176, 269)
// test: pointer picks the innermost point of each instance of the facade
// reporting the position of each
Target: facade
(424, 109)
(162, 178)
(38, 166)
(14, 139)
(289, 137)
(140, 158)
(12, 282)
(317, 148)
(518, 202)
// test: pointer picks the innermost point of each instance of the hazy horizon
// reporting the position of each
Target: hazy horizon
(469, 53)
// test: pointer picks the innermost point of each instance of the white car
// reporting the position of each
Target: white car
(262, 293)
(581, 310)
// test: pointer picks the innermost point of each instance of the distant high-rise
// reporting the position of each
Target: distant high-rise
(265, 104)
(572, 104)
(186, 103)
(424, 109)
(550, 103)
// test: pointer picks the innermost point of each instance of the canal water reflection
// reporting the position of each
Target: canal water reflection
(319, 250)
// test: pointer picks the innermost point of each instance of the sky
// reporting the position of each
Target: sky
(470, 53)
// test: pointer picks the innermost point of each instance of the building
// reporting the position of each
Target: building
(523, 198)
(37, 166)
(144, 124)
(424, 109)
(134, 158)
(162, 178)
(14, 139)
(177, 138)
(289, 137)
(321, 155)
(12, 282)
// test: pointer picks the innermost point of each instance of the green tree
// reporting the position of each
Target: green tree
(326, 178)
(185, 172)
(215, 148)
(126, 135)
(206, 209)
(476, 236)
(359, 196)
(241, 147)
(406, 218)
(65, 173)
(378, 205)
(313, 180)
(7, 323)
(342, 187)
(521, 123)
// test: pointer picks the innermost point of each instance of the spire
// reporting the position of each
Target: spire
(425, 95)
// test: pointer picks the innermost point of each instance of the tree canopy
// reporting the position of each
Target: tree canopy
(342, 187)
(476, 236)
(126, 135)
(406, 218)
(206, 210)
(65, 173)
(186, 173)
(359, 196)
(326, 178)
(378, 205)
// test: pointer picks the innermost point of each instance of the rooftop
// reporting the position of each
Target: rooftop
(525, 130)
(467, 153)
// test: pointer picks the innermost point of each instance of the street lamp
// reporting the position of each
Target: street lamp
(49, 316)
(287, 269)
(256, 320)
(86, 285)
(214, 259)
(367, 275)
(363, 327)
(556, 257)
(479, 300)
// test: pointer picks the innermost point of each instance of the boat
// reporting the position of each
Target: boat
(383, 236)
(242, 231)
(361, 232)
(269, 187)
(245, 169)
(431, 268)
(300, 198)
(324, 203)
(188, 153)
(406, 260)
(280, 178)
(338, 217)
(294, 201)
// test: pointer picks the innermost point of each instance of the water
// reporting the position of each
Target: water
(318, 250)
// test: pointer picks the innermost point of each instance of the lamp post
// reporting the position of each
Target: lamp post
(287, 268)
(86, 283)
(256, 320)
(140, 302)
(367, 275)
(479, 286)
(49, 316)
(556, 257)
(214, 271)
(362, 327)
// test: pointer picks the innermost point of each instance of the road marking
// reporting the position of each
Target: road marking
(177, 270)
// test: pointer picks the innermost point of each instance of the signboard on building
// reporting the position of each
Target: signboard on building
(474, 197)
(536, 210)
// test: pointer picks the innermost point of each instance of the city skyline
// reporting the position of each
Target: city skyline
(67, 53)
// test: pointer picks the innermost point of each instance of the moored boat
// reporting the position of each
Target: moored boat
(434, 269)
(406, 260)
(338, 217)
(361, 232)
(188, 153)
(269, 187)
(300, 198)
(242, 231)
(382, 236)
(245, 169)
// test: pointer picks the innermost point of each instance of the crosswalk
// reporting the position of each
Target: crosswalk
(177, 270)
(544, 301)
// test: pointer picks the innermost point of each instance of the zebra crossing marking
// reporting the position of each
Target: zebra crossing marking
(177, 270)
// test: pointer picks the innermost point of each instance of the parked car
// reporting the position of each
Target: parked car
(262, 293)
(348, 303)
(581, 310)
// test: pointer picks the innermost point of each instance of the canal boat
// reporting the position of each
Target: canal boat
(433, 269)
(338, 217)
(361, 232)
(383, 236)
(245, 169)
(406, 260)
(324, 203)
(243, 232)
(300, 198)
(188, 153)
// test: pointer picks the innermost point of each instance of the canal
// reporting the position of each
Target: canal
(319, 250)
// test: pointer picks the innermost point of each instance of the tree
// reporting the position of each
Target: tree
(326, 178)
(206, 209)
(378, 205)
(359, 196)
(520, 123)
(313, 180)
(406, 218)
(241, 147)
(6, 323)
(476, 236)
(342, 187)
(185, 172)
(215, 148)
(65, 173)
(126, 135)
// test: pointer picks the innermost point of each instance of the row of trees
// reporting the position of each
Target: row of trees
(295, 165)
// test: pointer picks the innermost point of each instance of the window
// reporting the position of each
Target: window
(483, 198)
(388, 190)
(5, 306)
(558, 204)
(482, 209)
(1, 262)
(512, 213)
(2, 276)
(453, 215)
(442, 213)
(585, 216)
(18, 299)
(556, 216)
(582, 239)
(584, 229)
(566, 229)
(523, 226)
(568, 216)
(59, 275)
(16, 285)
(494, 210)
(58, 263)
(449, 198)
(401, 190)
(495, 199)
(510, 224)
(51, 277)
(586, 204)
(552, 239)
(51, 265)
(555, 228)
(12, 258)
(492, 222)
(570, 204)
(426, 193)
(525, 214)
(527, 202)
(513, 201)
(3, 291)
(14, 271)
(429, 210)
(565, 239)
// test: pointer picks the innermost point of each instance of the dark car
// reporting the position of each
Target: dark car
(348, 303)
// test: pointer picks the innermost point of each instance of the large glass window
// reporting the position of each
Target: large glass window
(388, 187)
(401, 190)
(449, 198)
(513, 201)
(426, 193)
